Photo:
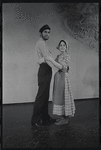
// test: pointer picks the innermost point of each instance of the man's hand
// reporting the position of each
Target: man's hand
(65, 69)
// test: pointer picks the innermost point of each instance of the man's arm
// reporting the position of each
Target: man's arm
(57, 65)
(47, 56)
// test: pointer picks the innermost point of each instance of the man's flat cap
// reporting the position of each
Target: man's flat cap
(44, 28)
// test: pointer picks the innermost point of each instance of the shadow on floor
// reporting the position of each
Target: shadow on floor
(81, 132)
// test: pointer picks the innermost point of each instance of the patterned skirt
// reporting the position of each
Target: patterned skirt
(63, 102)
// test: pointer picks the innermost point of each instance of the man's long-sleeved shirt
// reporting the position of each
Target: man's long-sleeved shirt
(42, 51)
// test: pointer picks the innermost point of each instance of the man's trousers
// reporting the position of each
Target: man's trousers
(40, 109)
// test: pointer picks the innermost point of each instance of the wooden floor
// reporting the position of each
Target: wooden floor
(81, 132)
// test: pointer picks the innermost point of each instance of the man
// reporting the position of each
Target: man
(40, 115)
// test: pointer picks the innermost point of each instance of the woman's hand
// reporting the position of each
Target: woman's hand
(68, 57)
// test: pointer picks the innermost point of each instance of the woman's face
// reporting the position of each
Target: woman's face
(62, 47)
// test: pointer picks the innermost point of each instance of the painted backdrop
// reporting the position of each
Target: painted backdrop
(21, 23)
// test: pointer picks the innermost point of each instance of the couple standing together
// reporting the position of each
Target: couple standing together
(63, 103)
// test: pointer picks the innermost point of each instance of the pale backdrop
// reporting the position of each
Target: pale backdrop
(21, 23)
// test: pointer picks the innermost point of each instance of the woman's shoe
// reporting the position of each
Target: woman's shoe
(62, 122)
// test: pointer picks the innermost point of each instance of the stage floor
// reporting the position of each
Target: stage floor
(81, 132)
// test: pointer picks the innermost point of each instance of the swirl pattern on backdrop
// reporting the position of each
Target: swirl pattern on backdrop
(82, 21)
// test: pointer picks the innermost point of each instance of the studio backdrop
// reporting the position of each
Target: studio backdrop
(21, 23)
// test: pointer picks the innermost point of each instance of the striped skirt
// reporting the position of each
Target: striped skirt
(63, 102)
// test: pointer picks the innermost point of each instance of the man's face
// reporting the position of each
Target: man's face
(45, 34)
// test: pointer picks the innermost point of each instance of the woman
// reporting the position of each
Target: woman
(63, 103)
